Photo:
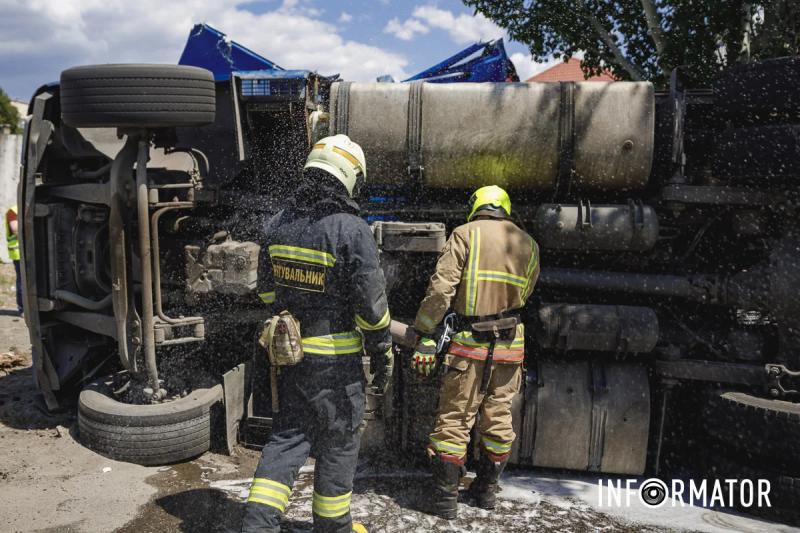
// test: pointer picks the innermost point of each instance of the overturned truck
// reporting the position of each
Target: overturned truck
(665, 321)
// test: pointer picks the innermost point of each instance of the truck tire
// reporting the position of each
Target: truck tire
(769, 85)
(784, 494)
(137, 96)
(763, 430)
(146, 434)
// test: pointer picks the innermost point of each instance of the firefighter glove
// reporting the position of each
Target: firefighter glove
(381, 365)
(424, 359)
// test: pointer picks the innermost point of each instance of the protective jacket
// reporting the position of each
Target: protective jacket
(320, 262)
(11, 239)
(487, 267)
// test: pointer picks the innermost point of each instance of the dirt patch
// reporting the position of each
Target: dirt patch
(11, 360)
(57, 484)
(8, 286)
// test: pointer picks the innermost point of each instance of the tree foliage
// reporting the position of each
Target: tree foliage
(647, 39)
(8, 113)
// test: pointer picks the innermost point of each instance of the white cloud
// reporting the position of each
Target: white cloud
(345, 17)
(39, 38)
(405, 30)
(462, 29)
(527, 67)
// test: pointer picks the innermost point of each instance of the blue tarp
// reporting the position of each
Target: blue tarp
(208, 48)
(479, 63)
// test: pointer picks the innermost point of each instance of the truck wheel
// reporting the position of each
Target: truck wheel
(769, 85)
(146, 434)
(137, 96)
(763, 430)
(784, 493)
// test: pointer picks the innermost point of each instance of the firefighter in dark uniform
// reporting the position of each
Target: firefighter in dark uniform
(322, 266)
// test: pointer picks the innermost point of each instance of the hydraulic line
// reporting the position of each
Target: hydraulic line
(157, 265)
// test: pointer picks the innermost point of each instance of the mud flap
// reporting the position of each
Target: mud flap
(235, 384)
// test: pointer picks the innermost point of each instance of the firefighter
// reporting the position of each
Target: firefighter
(322, 266)
(12, 242)
(485, 273)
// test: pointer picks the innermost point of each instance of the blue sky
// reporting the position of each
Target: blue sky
(359, 39)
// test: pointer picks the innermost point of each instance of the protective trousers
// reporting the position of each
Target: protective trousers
(321, 408)
(460, 401)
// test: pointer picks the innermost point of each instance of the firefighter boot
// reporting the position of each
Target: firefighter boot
(444, 494)
(483, 491)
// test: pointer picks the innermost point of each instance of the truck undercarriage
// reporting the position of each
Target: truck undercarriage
(667, 221)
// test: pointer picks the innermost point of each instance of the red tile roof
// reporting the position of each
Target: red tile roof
(570, 70)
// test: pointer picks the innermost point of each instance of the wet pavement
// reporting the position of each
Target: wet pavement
(199, 496)
(52, 483)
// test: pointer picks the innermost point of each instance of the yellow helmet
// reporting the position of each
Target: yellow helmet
(341, 158)
(491, 195)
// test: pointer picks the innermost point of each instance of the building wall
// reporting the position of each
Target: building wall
(10, 150)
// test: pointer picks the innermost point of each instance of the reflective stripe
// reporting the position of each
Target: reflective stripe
(380, 324)
(479, 354)
(331, 506)
(502, 277)
(533, 262)
(302, 254)
(496, 446)
(465, 345)
(452, 448)
(426, 346)
(350, 157)
(472, 271)
(427, 322)
(468, 340)
(267, 297)
(335, 344)
(268, 492)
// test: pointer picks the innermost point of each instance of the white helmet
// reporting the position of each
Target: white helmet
(342, 158)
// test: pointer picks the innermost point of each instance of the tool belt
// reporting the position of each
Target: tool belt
(483, 327)
(282, 341)
(504, 329)
(492, 331)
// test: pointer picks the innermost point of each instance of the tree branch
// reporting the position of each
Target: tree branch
(745, 31)
(654, 25)
(634, 73)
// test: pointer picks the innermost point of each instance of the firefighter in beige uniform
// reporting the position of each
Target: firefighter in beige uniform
(486, 271)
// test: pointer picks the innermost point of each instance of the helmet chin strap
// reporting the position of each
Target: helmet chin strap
(359, 185)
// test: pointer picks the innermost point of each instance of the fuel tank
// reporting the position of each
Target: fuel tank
(522, 136)
(632, 227)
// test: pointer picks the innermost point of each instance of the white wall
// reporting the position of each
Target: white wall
(10, 150)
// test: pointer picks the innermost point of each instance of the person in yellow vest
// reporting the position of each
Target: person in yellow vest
(485, 274)
(12, 241)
